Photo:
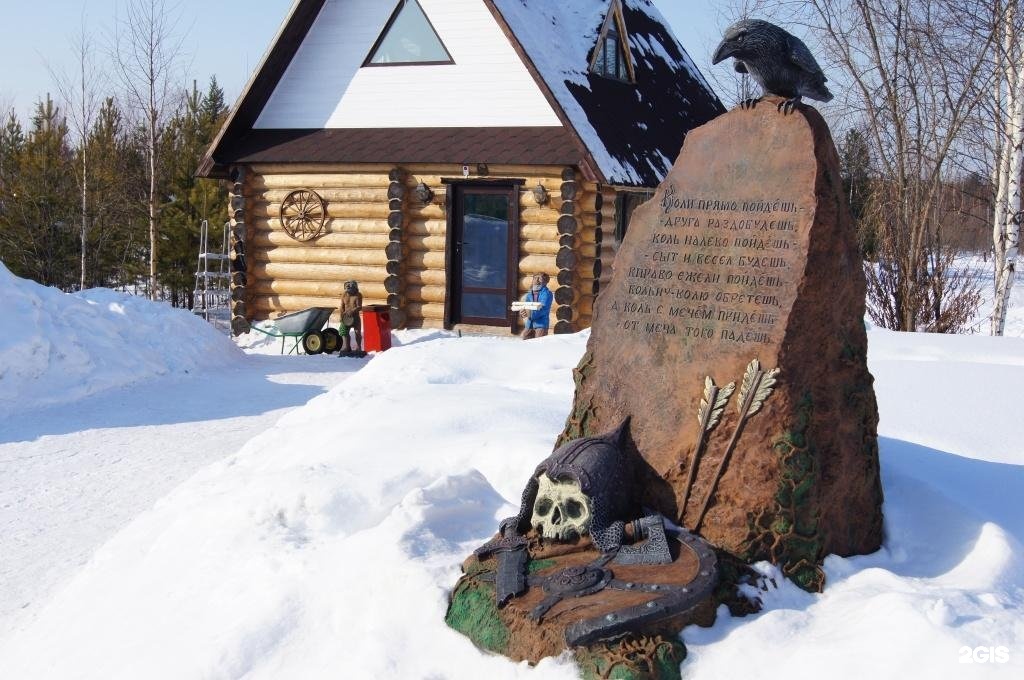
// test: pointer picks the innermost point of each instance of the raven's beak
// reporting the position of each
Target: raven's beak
(725, 50)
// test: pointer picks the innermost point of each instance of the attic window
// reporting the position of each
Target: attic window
(408, 38)
(611, 55)
(611, 62)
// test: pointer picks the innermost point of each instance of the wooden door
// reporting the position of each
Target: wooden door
(483, 246)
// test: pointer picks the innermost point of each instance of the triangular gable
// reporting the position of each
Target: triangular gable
(408, 38)
(327, 86)
(624, 136)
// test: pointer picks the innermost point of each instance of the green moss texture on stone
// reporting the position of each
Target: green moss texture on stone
(539, 565)
(632, 659)
(473, 613)
(788, 535)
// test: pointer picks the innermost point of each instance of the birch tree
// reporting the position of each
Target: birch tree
(147, 52)
(1008, 163)
(81, 93)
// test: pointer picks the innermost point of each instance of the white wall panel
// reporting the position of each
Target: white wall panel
(325, 86)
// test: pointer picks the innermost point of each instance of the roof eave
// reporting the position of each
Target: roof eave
(306, 10)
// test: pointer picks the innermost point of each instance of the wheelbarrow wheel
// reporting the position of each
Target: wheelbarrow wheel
(313, 342)
(332, 340)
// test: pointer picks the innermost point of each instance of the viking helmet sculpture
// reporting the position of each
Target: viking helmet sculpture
(584, 487)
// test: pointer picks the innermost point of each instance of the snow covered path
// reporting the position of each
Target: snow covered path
(74, 475)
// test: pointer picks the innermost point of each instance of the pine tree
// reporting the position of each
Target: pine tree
(37, 236)
(189, 199)
(117, 202)
(855, 163)
(12, 141)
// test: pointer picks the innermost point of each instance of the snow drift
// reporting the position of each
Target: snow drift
(327, 546)
(56, 348)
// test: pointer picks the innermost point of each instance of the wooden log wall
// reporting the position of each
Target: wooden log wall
(358, 242)
(239, 235)
(395, 250)
(568, 256)
(426, 232)
(377, 233)
(596, 247)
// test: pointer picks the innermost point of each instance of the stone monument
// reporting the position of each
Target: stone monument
(746, 253)
(728, 362)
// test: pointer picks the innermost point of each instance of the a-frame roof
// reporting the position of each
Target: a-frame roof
(619, 133)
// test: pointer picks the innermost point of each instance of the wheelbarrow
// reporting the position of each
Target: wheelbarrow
(306, 329)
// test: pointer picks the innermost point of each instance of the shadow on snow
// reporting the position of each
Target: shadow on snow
(244, 388)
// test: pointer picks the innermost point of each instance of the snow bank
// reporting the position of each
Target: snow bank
(57, 348)
(327, 546)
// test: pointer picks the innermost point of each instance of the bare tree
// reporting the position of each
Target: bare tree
(911, 74)
(147, 50)
(1008, 158)
(81, 93)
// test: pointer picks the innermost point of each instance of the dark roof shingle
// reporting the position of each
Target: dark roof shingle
(522, 145)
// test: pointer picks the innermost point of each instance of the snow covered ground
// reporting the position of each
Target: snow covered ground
(156, 396)
(72, 476)
(325, 546)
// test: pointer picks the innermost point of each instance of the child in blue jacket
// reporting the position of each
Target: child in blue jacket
(538, 322)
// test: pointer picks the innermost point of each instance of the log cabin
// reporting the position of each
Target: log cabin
(442, 152)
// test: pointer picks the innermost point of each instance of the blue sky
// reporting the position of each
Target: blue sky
(224, 37)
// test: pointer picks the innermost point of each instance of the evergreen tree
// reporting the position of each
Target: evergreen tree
(190, 200)
(117, 239)
(213, 107)
(855, 163)
(12, 141)
(37, 236)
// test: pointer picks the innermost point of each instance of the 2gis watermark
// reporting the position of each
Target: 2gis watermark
(984, 655)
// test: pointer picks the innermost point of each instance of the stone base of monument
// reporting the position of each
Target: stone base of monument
(621, 618)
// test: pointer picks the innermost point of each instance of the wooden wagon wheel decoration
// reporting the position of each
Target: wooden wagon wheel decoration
(304, 214)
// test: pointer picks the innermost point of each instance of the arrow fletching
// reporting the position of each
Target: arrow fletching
(749, 384)
(712, 404)
(720, 403)
(709, 390)
(764, 390)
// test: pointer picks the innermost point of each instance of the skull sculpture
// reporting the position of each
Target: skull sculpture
(562, 510)
(589, 484)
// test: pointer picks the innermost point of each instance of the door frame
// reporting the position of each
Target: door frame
(452, 261)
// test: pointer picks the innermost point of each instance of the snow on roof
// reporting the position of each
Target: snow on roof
(633, 131)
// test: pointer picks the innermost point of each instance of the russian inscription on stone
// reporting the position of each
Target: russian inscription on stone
(716, 269)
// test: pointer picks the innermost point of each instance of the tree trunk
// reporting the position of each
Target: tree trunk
(1008, 212)
(1010, 236)
(85, 189)
(152, 205)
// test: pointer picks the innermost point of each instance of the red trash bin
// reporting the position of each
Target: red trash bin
(376, 328)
